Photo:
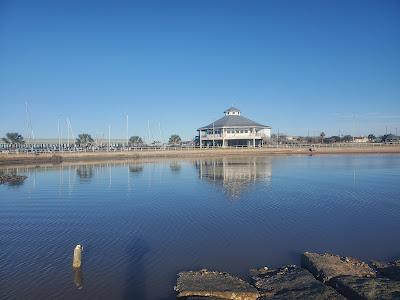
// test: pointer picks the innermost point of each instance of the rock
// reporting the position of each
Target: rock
(326, 266)
(203, 298)
(354, 287)
(259, 271)
(292, 282)
(389, 270)
(205, 283)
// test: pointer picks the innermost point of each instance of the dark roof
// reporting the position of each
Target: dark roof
(234, 121)
(231, 109)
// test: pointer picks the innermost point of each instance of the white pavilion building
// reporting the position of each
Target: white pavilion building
(233, 130)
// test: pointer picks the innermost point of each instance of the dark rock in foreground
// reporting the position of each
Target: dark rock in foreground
(366, 288)
(389, 270)
(327, 266)
(342, 278)
(214, 284)
(292, 282)
(12, 179)
(203, 298)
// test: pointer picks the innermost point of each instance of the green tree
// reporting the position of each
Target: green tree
(175, 140)
(371, 137)
(13, 138)
(347, 138)
(333, 139)
(135, 141)
(84, 140)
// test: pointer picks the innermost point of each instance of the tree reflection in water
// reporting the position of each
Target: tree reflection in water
(85, 173)
(175, 166)
(136, 168)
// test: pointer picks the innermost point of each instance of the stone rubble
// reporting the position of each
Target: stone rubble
(292, 282)
(321, 277)
(326, 266)
(353, 287)
(205, 283)
(390, 270)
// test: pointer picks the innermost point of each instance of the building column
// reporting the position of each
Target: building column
(201, 146)
(254, 137)
(223, 137)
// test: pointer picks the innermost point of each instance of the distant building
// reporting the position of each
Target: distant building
(233, 130)
(361, 139)
(391, 139)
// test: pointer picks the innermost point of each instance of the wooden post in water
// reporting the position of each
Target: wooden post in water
(77, 261)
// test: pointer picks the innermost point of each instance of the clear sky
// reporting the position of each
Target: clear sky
(298, 66)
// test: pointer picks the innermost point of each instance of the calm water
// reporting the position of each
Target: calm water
(141, 223)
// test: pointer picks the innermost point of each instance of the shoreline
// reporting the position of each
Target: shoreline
(7, 159)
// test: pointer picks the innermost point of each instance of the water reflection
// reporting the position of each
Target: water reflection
(78, 278)
(136, 168)
(85, 173)
(175, 166)
(11, 178)
(235, 174)
(135, 280)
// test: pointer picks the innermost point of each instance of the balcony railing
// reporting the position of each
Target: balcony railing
(232, 135)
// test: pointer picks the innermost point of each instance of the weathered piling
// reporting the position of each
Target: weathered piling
(77, 260)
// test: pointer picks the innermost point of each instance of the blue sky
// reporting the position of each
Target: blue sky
(298, 66)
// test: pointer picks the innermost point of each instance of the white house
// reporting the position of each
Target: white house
(233, 130)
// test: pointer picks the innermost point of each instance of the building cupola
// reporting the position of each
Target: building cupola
(232, 112)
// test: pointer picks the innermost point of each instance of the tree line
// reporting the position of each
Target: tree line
(86, 140)
(329, 140)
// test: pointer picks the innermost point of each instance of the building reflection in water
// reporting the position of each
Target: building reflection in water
(235, 174)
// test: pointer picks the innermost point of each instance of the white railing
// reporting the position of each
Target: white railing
(232, 135)
(187, 148)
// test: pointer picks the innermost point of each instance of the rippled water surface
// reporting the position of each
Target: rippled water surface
(141, 223)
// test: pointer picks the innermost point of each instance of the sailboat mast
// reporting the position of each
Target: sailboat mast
(127, 130)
